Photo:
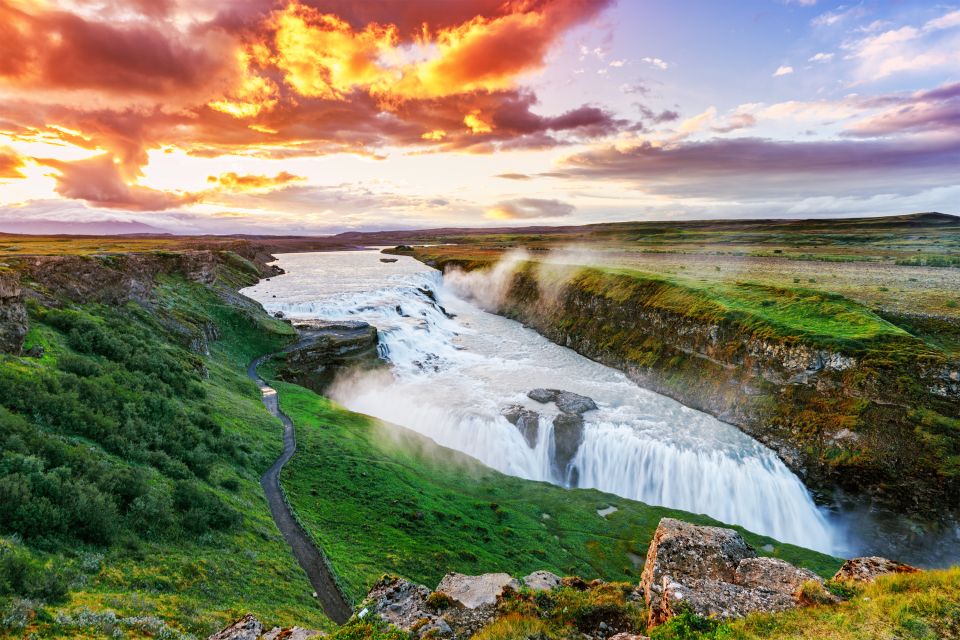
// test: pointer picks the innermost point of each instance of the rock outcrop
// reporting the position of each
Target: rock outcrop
(567, 427)
(525, 420)
(404, 605)
(476, 591)
(542, 581)
(566, 401)
(327, 348)
(868, 568)
(713, 572)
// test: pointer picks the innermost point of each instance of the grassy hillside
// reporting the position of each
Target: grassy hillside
(379, 498)
(130, 470)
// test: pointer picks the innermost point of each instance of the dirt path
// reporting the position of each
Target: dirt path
(310, 558)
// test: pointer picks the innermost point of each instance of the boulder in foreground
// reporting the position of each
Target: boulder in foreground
(712, 572)
(476, 591)
(867, 569)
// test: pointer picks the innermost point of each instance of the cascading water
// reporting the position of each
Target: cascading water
(455, 367)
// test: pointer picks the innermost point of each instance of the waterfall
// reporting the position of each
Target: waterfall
(454, 368)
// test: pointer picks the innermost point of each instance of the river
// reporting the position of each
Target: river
(454, 367)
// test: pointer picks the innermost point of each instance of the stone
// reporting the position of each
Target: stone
(717, 599)
(475, 591)
(627, 636)
(680, 549)
(773, 574)
(867, 569)
(713, 572)
(526, 420)
(566, 401)
(246, 628)
(404, 605)
(326, 348)
(567, 438)
(542, 581)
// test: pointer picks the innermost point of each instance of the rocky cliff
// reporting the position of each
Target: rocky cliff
(872, 418)
(116, 279)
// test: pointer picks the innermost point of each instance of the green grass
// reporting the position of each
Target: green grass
(765, 311)
(380, 498)
(178, 580)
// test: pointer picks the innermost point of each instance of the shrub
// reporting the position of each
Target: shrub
(22, 575)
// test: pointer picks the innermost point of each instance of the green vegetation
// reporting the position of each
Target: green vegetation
(786, 313)
(130, 472)
(921, 606)
(379, 498)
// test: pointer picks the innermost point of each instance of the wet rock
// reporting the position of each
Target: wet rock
(542, 581)
(566, 401)
(246, 628)
(526, 420)
(868, 568)
(327, 348)
(404, 605)
(567, 438)
(476, 591)
(773, 574)
(713, 572)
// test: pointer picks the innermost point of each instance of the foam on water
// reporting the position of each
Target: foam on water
(455, 366)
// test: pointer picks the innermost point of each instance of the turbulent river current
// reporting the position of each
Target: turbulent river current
(454, 367)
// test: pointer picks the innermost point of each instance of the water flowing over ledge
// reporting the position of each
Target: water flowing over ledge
(454, 367)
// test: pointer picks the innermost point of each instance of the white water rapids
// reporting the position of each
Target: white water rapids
(453, 372)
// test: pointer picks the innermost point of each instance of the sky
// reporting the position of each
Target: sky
(320, 116)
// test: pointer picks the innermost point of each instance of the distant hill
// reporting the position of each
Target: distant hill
(59, 227)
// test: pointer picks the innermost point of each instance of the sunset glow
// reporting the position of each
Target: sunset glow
(314, 116)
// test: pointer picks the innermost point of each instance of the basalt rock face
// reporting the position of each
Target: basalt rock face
(327, 348)
(839, 415)
(713, 572)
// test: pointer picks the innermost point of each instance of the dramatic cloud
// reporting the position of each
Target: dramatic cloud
(277, 80)
(234, 182)
(746, 168)
(529, 208)
(10, 164)
(99, 182)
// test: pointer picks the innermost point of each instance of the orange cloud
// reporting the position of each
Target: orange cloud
(233, 182)
(278, 79)
(99, 181)
(10, 164)
(529, 208)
